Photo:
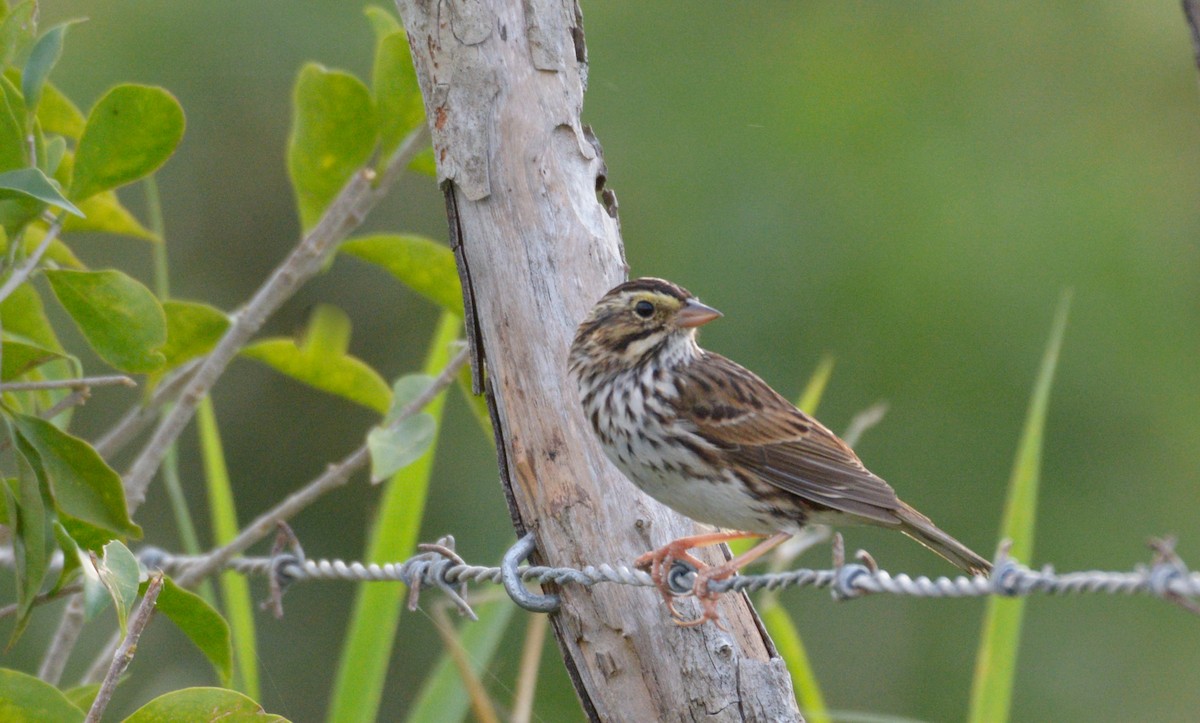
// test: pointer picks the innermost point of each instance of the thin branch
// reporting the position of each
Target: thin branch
(360, 194)
(1191, 11)
(21, 274)
(864, 421)
(74, 399)
(41, 599)
(63, 642)
(126, 652)
(335, 476)
(143, 413)
(81, 383)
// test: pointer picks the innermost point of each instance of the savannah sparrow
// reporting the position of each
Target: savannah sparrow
(708, 438)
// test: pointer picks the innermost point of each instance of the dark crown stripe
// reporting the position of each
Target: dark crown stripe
(653, 285)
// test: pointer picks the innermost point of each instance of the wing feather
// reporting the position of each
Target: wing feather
(740, 413)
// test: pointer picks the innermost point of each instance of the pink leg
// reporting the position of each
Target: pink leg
(660, 560)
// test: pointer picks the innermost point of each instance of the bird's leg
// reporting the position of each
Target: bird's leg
(659, 562)
(707, 598)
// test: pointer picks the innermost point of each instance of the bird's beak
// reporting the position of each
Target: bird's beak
(694, 314)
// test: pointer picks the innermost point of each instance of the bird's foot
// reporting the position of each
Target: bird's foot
(658, 564)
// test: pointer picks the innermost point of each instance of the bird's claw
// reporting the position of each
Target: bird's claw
(658, 562)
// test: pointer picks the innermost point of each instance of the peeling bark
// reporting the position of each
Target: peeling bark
(537, 241)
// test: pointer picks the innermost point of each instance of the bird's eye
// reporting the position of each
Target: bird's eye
(644, 309)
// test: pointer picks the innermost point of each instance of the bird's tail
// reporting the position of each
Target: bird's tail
(921, 528)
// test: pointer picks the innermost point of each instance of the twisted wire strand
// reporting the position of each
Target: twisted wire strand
(1167, 577)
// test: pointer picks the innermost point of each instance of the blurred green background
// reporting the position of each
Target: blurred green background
(906, 186)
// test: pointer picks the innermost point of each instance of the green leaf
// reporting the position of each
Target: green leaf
(46, 52)
(104, 213)
(203, 625)
(82, 485)
(333, 134)
(17, 31)
(29, 517)
(121, 319)
(22, 313)
(12, 136)
(996, 661)
(71, 554)
(25, 699)
(394, 445)
(119, 572)
(321, 361)
(203, 704)
(23, 319)
(82, 696)
(425, 163)
(56, 151)
(130, 132)
(19, 358)
(57, 251)
(382, 22)
(363, 664)
(397, 93)
(57, 114)
(235, 589)
(32, 183)
(193, 329)
(425, 266)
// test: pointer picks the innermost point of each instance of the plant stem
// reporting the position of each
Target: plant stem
(21, 275)
(337, 474)
(125, 653)
(345, 213)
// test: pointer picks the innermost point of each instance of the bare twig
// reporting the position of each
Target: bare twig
(75, 398)
(336, 475)
(63, 642)
(143, 413)
(128, 647)
(1191, 11)
(81, 383)
(21, 274)
(863, 421)
(364, 189)
(41, 599)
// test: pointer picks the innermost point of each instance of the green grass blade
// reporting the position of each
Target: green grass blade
(362, 668)
(810, 398)
(170, 466)
(443, 697)
(995, 666)
(235, 589)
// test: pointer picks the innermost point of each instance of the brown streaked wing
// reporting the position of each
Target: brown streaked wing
(739, 412)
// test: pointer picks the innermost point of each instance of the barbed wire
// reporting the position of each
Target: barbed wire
(437, 565)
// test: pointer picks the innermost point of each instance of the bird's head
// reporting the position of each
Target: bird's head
(638, 320)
